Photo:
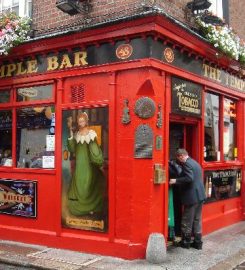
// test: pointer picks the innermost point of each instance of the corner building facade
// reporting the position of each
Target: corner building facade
(148, 86)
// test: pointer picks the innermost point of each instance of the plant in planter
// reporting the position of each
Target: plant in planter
(13, 31)
(224, 39)
(242, 55)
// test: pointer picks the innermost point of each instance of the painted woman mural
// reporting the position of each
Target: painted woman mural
(86, 192)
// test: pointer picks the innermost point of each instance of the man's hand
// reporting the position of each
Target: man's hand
(172, 181)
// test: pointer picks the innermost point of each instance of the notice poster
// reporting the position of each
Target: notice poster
(50, 142)
(85, 169)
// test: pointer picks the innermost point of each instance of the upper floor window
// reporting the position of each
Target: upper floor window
(220, 8)
(216, 8)
(20, 7)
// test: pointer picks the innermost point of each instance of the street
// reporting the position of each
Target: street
(4, 266)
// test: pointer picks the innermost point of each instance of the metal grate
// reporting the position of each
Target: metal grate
(77, 93)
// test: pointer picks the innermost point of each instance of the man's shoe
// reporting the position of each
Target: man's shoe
(186, 241)
(185, 244)
(197, 245)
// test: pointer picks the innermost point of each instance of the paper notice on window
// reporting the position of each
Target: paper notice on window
(48, 162)
(50, 142)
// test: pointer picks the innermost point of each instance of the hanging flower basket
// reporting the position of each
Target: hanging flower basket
(13, 31)
(224, 39)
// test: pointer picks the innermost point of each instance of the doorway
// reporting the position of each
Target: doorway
(181, 135)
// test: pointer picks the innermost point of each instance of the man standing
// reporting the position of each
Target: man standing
(192, 194)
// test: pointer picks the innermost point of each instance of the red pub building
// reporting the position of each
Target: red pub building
(144, 86)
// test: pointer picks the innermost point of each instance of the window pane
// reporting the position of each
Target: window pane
(85, 169)
(230, 150)
(16, 9)
(4, 96)
(6, 4)
(6, 138)
(28, 8)
(216, 8)
(34, 93)
(211, 149)
(35, 137)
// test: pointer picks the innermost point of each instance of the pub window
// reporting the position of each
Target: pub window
(211, 127)
(6, 138)
(229, 134)
(34, 93)
(4, 96)
(35, 138)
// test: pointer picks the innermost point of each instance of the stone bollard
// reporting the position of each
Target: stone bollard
(156, 248)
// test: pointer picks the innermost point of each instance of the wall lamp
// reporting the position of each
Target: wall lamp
(198, 5)
(200, 8)
(73, 7)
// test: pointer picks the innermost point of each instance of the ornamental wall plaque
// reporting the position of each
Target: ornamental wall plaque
(126, 116)
(143, 142)
(168, 54)
(124, 51)
(145, 107)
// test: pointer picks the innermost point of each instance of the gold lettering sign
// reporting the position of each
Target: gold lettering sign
(186, 97)
(76, 59)
(10, 197)
(87, 223)
(230, 80)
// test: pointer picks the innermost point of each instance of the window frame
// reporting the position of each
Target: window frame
(14, 105)
(219, 123)
(222, 97)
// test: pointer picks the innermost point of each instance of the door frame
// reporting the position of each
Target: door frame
(195, 124)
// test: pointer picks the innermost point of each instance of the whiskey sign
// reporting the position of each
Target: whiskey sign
(222, 184)
(186, 98)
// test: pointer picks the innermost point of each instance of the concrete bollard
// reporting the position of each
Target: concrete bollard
(156, 248)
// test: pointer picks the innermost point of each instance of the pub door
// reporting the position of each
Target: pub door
(181, 135)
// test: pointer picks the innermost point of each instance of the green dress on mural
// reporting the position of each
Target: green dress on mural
(87, 188)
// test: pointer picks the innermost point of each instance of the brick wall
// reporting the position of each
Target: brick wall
(47, 18)
(175, 8)
(237, 16)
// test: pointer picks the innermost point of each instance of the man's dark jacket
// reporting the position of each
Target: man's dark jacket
(191, 183)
